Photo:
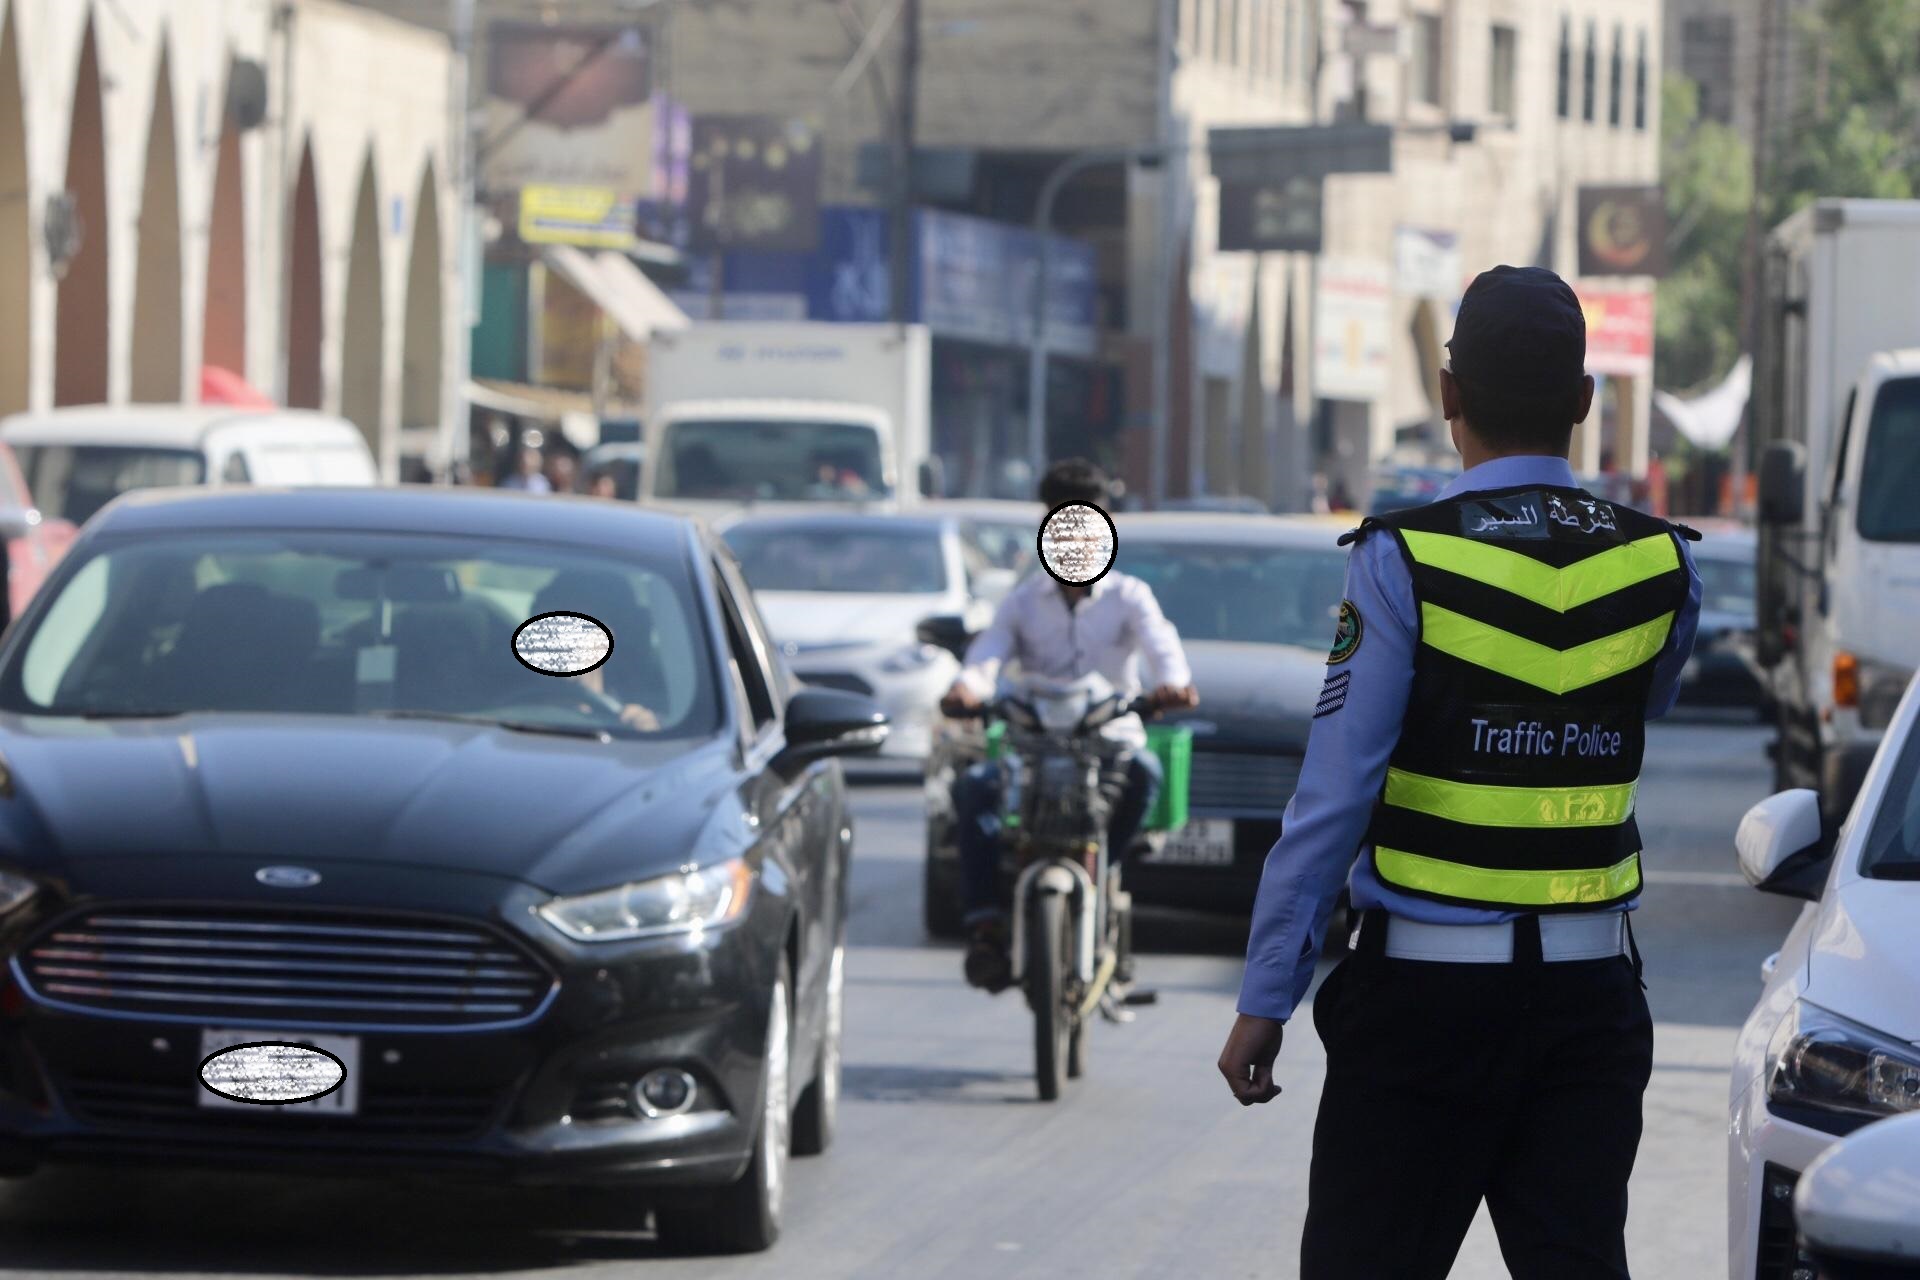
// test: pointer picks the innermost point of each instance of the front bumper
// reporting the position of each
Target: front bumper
(547, 1102)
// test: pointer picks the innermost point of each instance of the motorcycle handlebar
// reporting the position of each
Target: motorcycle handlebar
(1143, 706)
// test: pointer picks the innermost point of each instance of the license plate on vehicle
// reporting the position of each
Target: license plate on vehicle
(344, 1101)
(1203, 842)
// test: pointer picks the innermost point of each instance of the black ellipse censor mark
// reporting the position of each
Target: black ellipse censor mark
(1078, 543)
(562, 643)
(272, 1073)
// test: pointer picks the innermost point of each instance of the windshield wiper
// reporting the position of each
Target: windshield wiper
(516, 726)
(131, 713)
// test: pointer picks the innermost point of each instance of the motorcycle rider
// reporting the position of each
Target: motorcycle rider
(1057, 631)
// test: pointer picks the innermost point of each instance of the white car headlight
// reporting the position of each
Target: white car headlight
(15, 891)
(684, 902)
(1820, 1060)
(912, 658)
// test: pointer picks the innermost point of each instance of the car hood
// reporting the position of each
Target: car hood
(561, 814)
(1864, 957)
(810, 618)
(1261, 693)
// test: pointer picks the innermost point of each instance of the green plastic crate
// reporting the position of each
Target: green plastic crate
(1173, 743)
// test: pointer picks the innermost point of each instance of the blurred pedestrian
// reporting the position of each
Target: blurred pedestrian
(526, 472)
(563, 472)
(604, 484)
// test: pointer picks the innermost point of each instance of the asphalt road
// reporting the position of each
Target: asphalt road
(946, 1165)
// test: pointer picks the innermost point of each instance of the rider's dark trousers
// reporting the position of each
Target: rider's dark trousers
(976, 817)
(1450, 1083)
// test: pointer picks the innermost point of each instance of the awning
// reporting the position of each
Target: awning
(619, 288)
(570, 411)
(224, 386)
(1710, 420)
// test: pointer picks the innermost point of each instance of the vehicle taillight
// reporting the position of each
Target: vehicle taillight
(1846, 680)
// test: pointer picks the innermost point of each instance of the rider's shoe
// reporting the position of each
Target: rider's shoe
(988, 965)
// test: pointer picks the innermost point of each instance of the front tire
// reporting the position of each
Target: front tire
(815, 1120)
(744, 1217)
(1046, 950)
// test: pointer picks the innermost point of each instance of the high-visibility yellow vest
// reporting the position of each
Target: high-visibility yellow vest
(1541, 614)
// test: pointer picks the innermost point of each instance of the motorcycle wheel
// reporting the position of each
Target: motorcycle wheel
(1046, 960)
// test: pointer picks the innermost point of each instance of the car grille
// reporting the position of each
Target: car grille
(439, 1112)
(837, 680)
(325, 968)
(1242, 781)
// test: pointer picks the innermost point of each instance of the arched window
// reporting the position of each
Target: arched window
(1614, 76)
(1564, 97)
(1590, 71)
(1640, 82)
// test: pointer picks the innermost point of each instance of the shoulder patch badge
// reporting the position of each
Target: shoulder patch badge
(1346, 636)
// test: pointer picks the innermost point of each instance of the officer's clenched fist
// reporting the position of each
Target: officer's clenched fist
(1247, 1061)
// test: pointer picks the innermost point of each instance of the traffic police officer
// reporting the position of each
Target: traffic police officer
(1478, 741)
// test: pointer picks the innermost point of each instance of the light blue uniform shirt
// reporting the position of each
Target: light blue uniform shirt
(1346, 762)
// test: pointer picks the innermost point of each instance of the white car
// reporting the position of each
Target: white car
(844, 595)
(1834, 1042)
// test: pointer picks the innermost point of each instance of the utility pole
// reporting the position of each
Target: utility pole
(1750, 254)
(905, 125)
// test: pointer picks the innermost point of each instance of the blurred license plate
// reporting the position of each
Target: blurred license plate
(344, 1101)
(1204, 842)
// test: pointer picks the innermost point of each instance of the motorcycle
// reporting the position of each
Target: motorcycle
(1072, 922)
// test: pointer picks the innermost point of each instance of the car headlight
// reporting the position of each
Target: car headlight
(912, 658)
(15, 891)
(685, 902)
(1820, 1060)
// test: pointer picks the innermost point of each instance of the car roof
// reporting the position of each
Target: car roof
(177, 426)
(1008, 509)
(845, 522)
(1233, 529)
(425, 509)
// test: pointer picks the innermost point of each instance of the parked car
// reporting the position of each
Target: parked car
(278, 774)
(34, 543)
(1256, 601)
(78, 459)
(1396, 488)
(845, 594)
(1833, 1043)
(1723, 671)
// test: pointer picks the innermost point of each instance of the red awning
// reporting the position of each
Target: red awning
(224, 386)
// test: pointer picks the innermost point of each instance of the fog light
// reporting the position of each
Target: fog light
(665, 1092)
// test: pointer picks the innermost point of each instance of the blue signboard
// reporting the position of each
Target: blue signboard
(974, 278)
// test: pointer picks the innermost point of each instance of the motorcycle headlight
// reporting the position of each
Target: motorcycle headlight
(912, 658)
(684, 902)
(15, 891)
(1820, 1060)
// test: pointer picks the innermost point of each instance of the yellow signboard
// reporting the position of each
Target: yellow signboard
(592, 217)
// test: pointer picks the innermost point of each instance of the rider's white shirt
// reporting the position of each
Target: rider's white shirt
(1111, 631)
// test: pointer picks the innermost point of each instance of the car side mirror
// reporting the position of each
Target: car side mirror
(1856, 1204)
(947, 631)
(830, 722)
(1783, 482)
(17, 522)
(1783, 844)
(933, 478)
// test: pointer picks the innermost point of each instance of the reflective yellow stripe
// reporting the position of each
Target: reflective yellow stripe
(1558, 589)
(1515, 888)
(1484, 805)
(1555, 670)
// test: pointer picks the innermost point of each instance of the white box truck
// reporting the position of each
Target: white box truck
(745, 414)
(1836, 416)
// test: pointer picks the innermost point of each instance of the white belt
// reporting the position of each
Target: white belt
(1585, 935)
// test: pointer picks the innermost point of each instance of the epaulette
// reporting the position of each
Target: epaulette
(1690, 534)
(1360, 531)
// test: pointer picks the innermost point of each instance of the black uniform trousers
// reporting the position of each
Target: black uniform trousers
(1449, 1083)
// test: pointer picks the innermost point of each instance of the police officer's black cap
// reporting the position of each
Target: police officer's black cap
(1520, 332)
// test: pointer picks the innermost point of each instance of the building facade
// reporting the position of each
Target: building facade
(257, 187)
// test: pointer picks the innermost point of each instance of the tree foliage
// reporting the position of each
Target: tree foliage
(1708, 171)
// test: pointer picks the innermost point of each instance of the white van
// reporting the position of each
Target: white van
(78, 459)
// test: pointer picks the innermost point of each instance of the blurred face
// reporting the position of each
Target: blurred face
(604, 487)
(561, 471)
(529, 462)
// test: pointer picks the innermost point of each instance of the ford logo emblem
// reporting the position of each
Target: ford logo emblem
(287, 877)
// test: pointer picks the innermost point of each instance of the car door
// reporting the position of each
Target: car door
(805, 808)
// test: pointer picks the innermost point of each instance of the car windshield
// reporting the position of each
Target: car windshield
(71, 482)
(1726, 586)
(1893, 845)
(1891, 469)
(1005, 545)
(1254, 594)
(875, 559)
(772, 461)
(339, 623)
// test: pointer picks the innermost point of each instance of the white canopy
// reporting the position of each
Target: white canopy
(1710, 418)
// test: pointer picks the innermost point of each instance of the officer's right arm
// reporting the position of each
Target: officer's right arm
(1355, 728)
